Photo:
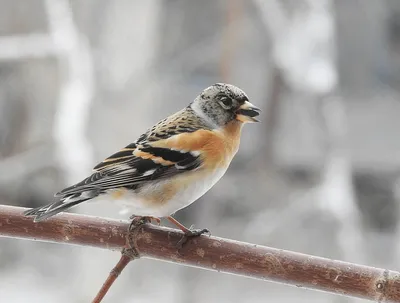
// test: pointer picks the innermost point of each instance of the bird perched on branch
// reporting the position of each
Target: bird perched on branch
(172, 164)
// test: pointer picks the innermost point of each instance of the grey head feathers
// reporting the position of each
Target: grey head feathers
(218, 103)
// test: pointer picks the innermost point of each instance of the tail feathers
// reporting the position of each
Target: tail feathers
(42, 213)
(66, 202)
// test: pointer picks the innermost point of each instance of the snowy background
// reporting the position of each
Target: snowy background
(319, 175)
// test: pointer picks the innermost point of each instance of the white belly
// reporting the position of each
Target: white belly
(191, 193)
(134, 203)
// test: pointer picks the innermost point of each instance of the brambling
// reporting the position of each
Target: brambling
(172, 164)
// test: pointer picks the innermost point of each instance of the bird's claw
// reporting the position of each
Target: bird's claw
(191, 232)
(138, 220)
(130, 249)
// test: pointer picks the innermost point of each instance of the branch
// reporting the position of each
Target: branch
(115, 272)
(212, 253)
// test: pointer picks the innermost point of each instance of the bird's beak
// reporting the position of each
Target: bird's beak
(247, 112)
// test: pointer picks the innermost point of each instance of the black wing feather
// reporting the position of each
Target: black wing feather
(124, 169)
(133, 171)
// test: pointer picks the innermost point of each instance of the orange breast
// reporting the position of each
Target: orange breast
(217, 147)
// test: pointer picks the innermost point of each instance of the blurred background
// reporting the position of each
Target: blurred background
(318, 175)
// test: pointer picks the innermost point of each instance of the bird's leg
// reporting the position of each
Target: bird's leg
(188, 232)
(158, 220)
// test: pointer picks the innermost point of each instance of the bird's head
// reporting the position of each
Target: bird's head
(222, 103)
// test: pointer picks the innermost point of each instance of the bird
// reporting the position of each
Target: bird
(172, 164)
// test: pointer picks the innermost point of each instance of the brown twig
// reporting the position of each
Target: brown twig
(128, 254)
(115, 272)
(211, 253)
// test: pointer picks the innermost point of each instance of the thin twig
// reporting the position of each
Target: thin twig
(114, 274)
(212, 253)
(128, 253)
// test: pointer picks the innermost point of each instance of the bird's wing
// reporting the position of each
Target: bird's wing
(164, 151)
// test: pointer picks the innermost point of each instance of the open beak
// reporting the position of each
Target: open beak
(247, 113)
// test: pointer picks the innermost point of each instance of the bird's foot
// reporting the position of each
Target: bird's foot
(130, 249)
(190, 233)
(140, 220)
(136, 222)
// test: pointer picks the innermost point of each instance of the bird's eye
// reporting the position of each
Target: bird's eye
(226, 101)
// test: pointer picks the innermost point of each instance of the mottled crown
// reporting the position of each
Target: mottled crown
(229, 90)
(218, 103)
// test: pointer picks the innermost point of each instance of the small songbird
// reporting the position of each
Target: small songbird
(172, 164)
